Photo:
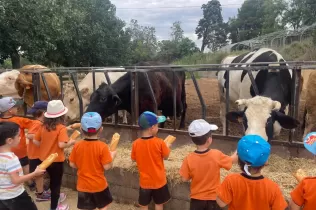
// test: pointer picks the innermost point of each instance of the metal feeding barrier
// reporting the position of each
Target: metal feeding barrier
(38, 74)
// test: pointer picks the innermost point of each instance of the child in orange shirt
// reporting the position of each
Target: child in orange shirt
(304, 195)
(37, 111)
(149, 152)
(91, 157)
(52, 137)
(9, 110)
(203, 166)
(250, 190)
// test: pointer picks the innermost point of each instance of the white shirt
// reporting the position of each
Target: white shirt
(9, 163)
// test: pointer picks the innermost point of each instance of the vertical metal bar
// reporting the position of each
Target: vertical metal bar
(93, 79)
(136, 97)
(152, 93)
(253, 82)
(107, 78)
(174, 89)
(60, 75)
(36, 86)
(295, 98)
(75, 82)
(227, 103)
(46, 87)
(132, 96)
(197, 88)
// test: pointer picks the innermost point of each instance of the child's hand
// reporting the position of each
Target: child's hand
(113, 154)
(69, 127)
(38, 171)
(168, 145)
(234, 157)
(71, 142)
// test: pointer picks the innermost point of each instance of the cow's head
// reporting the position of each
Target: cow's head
(104, 100)
(71, 101)
(259, 117)
(7, 83)
(25, 80)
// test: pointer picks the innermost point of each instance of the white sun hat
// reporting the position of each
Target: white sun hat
(55, 108)
(200, 127)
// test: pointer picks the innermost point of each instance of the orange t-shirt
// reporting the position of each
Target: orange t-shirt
(90, 155)
(304, 193)
(33, 150)
(149, 154)
(204, 170)
(49, 142)
(21, 150)
(240, 191)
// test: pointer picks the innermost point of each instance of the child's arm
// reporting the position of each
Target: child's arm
(221, 204)
(185, 171)
(64, 145)
(165, 150)
(234, 157)
(108, 159)
(72, 165)
(293, 206)
(63, 139)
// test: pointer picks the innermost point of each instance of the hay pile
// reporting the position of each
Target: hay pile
(279, 169)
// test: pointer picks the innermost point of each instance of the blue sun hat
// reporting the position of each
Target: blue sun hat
(148, 119)
(310, 142)
(253, 150)
(91, 122)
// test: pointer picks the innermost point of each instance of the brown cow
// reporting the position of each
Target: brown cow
(25, 82)
(309, 123)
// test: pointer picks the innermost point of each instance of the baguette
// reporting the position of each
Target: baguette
(75, 135)
(170, 139)
(75, 125)
(299, 175)
(114, 142)
(48, 161)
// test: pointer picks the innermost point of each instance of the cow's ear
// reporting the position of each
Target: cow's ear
(84, 92)
(117, 100)
(25, 84)
(286, 122)
(235, 117)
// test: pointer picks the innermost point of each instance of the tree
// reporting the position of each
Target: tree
(143, 42)
(178, 47)
(273, 15)
(294, 14)
(211, 28)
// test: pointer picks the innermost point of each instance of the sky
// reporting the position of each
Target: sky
(162, 13)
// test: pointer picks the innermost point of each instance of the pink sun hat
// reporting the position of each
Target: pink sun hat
(55, 108)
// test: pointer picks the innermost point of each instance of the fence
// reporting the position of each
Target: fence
(297, 67)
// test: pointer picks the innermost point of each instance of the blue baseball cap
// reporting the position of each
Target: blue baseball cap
(38, 105)
(310, 142)
(148, 119)
(254, 150)
(91, 122)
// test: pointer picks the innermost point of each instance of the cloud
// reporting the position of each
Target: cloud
(162, 13)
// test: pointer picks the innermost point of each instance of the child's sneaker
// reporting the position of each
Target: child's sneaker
(42, 197)
(62, 207)
(62, 197)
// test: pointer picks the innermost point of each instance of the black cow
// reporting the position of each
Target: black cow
(274, 85)
(108, 99)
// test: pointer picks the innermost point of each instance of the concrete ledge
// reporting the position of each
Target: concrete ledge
(124, 187)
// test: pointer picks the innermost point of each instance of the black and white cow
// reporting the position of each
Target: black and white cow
(264, 114)
(108, 99)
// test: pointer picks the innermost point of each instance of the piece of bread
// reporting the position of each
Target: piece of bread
(299, 175)
(114, 142)
(48, 161)
(75, 135)
(170, 139)
(75, 125)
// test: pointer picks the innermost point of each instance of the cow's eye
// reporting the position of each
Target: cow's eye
(72, 99)
(102, 99)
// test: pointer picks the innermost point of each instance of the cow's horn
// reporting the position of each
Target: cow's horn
(276, 106)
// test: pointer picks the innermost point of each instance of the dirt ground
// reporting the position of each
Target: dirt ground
(72, 202)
